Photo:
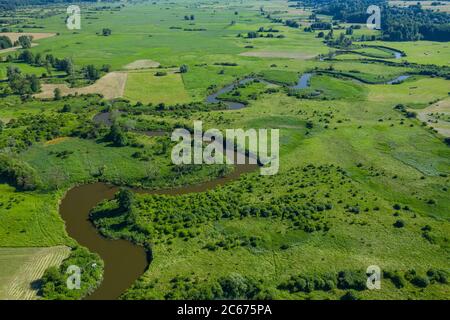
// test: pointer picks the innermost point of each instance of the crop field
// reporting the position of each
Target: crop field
(23, 267)
(364, 157)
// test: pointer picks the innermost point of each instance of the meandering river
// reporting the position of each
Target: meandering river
(124, 261)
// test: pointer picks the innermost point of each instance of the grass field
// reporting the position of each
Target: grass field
(423, 52)
(415, 92)
(31, 219)
(25, 68)
(146, 87)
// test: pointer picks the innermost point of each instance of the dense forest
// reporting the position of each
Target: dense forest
(397, 23)
(12, 4)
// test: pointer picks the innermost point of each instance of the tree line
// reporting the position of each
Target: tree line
(409, 23)
(14, 4)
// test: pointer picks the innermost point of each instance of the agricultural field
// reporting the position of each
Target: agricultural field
(87, 175)
(147, 87)
(22, 268)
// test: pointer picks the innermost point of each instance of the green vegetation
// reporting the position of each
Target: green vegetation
(54, 280)
(363, 181)
(149, 87)
(408, 23)
(18, 173)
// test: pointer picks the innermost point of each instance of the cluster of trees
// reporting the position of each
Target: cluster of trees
(191, 17)
(5, 42)
(253, 35)
(89, 130)
(231, 287)
(106, 32)
(89, 72)
(117, 136)
(53, 284)
(17, 173)
(414, 23)
(321, 26)
(22, 84)
(289, 23)
(292, 24)
(184, 68)
(399, 278)
(326, 282)
(14, 4)
(163, 218)
(25, 42)
(230, 242)
(48, 61)
(356, 280)
(194, 29)
(397, 24)
(270, 29)
(32, 128)
(409, 114)
(342, 41)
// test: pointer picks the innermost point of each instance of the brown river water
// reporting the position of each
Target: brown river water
(124, 261)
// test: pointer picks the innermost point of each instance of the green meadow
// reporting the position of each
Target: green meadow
(147, 87)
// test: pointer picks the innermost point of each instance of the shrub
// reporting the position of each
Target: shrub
(349, 295)
(301, 283)
(235, 286)
(53, 281)
(399, 224)
(447, 141)
(437, 276)
(18, 173)
(396, 277)
(184, 69)
(106, 32)
(57, 94)
(352, 280)
(420, 281)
